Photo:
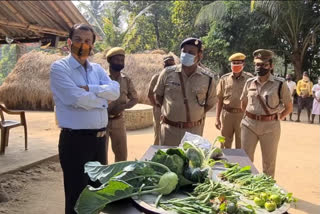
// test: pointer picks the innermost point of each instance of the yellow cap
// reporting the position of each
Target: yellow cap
(237, 57)
(115, 51)
(262, 55)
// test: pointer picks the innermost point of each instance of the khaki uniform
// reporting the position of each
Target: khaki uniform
(173, 107)
(116, 127)
(156, 112)
(229, 90)
(267, 132)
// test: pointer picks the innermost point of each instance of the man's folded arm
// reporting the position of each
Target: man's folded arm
(70, 94)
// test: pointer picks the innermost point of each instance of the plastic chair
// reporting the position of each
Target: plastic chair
(6, 125)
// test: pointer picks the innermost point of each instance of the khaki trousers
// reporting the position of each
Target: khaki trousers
(171, 136)
(116, 129)
(268, 143)
(156, 124)
(231, 126)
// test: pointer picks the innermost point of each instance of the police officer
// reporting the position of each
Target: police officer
(185, 94)
(229, 91)
(128, 98)
(262, 98)
(167, 61)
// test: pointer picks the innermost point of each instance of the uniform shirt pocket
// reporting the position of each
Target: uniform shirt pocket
(201, 95)
(272, 99)
(252, 96)
(173, 91)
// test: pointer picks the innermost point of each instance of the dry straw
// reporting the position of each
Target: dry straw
(27, 86)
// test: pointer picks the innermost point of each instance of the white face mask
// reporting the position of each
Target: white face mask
(319, 81)
(187, 59)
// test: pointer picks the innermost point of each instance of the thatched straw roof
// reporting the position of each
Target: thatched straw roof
(27, 86)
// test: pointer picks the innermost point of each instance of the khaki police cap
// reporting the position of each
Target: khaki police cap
(262, 55)
(237, 57)
(166, 58)
(115, 51)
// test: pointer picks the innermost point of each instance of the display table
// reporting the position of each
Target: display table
(126, 206)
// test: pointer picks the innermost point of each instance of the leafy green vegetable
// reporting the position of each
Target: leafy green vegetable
(122, 180)
(195, 158)
(174, 162)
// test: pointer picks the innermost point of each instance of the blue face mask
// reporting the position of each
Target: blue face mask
(187, 59)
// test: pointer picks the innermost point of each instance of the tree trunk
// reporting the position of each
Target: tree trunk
(297, 64)
(285, 66)
(156, 27)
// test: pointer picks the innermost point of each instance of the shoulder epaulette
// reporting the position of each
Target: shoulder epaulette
(170, 68)
(248, 74)
(207, 72)
(225, 75)
(251, 79)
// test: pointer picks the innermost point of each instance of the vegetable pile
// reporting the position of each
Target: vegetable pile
(262, 189)
(236, 190)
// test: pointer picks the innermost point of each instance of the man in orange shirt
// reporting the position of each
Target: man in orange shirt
(304, 91)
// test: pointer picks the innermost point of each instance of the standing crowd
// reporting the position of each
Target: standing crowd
(90, 103)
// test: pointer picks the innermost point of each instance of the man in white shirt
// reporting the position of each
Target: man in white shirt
(81, 91)
(292, 87)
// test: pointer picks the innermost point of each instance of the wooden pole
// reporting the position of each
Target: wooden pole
(15, 12)
(57, 9)
(34, 28)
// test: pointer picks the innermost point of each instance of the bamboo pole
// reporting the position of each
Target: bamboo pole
(14, 11)
(57, 9)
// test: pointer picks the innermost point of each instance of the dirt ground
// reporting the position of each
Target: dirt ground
(39, 189)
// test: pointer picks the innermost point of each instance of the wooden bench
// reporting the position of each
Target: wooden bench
(6, 125)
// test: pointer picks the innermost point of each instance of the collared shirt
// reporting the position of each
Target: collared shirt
(77, 108)
(127, 91)
(269, 94)
(229, 88)
(304, 88)
(196, 87)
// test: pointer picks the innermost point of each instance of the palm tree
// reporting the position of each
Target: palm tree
(298, 24)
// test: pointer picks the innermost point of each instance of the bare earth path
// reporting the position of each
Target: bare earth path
(40, 189)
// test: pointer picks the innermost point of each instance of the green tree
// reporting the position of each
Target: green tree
(297, 23)
(149, 26)
(232, 29)
(8, 60)
(183, 15)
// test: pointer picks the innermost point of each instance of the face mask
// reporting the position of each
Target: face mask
(116, 67)
(261, 71)
(305, 78)
(236, 68)
(82, 50)
(288, 79)
(187, 59)
(319, 82)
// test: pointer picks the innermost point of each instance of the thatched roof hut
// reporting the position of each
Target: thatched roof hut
(27, 86)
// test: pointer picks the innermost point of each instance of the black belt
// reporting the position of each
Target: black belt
(85, 131)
